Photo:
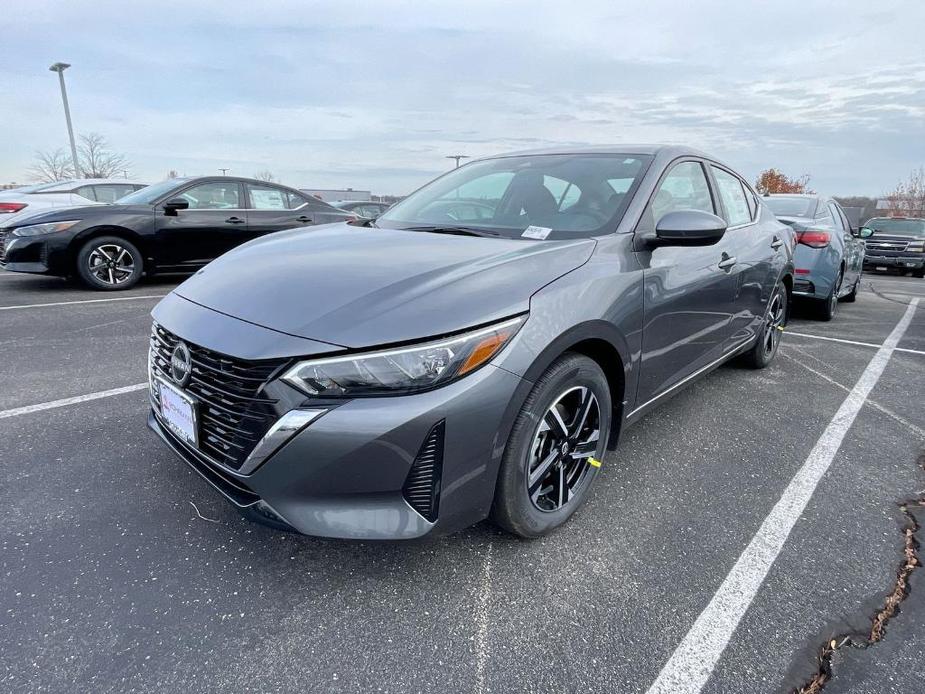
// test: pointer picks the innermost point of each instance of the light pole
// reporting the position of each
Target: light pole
(224, 171)
(60, 68)
(457, 157)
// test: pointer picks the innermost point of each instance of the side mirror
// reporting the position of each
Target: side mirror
(174, 204)
(865, 232)
(688, 228)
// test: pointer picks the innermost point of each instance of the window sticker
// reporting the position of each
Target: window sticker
(532, 232)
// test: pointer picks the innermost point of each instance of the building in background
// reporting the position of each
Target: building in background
(332, 194)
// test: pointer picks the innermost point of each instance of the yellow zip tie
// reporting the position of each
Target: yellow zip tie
(781, 328)
(594, 462)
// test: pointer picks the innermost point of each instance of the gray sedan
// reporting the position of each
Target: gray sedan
(829, 257)
(430, 370)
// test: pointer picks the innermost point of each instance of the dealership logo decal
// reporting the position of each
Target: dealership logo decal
(181, 364)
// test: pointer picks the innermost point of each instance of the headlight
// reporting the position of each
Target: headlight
(404, 369)
(42, 229)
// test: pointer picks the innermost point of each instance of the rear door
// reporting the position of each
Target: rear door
(854, 247)
(688, 291)
(271, 208)
(753, 247)
(215, 222)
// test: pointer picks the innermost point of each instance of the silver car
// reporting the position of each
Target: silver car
(829, 256)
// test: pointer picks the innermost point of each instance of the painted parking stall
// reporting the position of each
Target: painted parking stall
(117, 556)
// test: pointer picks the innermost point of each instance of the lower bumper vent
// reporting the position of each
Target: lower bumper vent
(422, 487)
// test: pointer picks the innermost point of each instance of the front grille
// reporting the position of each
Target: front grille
(892, 246)
(234, 413)
(422, 487)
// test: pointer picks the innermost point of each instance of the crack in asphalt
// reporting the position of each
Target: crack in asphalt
(891, 606)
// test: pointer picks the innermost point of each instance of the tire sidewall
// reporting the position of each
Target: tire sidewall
(90, 280)
(513, 508)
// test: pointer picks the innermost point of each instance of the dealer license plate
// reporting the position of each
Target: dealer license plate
(178, 411)
(882, 268)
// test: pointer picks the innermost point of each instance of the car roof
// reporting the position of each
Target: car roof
(77, 182)
(608, 149)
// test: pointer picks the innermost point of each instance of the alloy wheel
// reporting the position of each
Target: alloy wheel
(565, 441)
(773, 323)
(111, 264)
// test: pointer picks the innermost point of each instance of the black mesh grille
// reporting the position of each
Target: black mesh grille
(233, 412)
(422, 488)
(3, 235)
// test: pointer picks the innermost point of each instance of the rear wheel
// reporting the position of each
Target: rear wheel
(768, 341)
(109, 263)
(553, 453)
(828, 307)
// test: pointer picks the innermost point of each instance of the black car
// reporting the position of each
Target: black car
(367, 209)
(896, 242)
(175, 226)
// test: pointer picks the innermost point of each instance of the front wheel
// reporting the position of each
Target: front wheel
(920, 273)
(775, 317)
(555, 447)
(109, 263)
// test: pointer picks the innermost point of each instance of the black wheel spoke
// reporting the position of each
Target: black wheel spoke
(568, 435)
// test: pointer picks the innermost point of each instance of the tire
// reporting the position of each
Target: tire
(920, 273)
(827, 309)
(852, 296)
(98, 268)
(764, 350)
(567, 385)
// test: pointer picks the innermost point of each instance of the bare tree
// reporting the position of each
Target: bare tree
(265, 175)
(908, 198)
(51, 166)
(97, 160)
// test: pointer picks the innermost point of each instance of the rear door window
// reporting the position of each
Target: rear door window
(267, 198)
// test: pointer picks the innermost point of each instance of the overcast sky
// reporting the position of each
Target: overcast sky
(374, 95)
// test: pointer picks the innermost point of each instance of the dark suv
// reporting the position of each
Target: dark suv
(897, 242)
(175, 226)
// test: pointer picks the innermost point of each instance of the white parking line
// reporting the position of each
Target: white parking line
(86, 301)
(854, 342)
(28, 409)
(693, 661)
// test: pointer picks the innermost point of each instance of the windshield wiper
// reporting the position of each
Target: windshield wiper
(461, 231)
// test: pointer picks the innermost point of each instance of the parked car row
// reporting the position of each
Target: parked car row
(19, 203)
(472, 352)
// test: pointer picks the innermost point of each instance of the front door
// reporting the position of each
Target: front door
(215, 222)
(689, 291)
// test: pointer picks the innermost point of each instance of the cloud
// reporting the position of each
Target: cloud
(375, 95)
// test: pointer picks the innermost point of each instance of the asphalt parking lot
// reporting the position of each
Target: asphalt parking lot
(122, 570)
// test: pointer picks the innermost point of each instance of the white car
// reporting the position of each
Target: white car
(22, 202)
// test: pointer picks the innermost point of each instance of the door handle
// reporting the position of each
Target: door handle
(234, 220)
(776, 243)
(303, 218)
(727, 261)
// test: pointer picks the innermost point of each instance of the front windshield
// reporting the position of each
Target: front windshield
(902, 227)
(791, 207)
(147, 195)
(536, 196)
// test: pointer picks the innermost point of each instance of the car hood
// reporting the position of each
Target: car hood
(359, 287)
(88, 211)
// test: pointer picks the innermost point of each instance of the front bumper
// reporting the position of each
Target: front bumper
(37, 254)
(344, 475)
(898, 261)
